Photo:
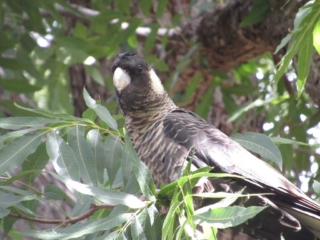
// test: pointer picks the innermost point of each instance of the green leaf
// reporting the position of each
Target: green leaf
(101, 111)
(316, 187)
(126, 164)
(280, 140)
(17, 133)
(161, 7)
(141, 171)
(107, 196)
(284, 42)
(55, 193)
(137, 230)
(168, 224)
(145, 5)
(305, 55)
(80, 31)
(225, 202)
(124, 6)
(14, 153)
(261, 144)
(246, 107)
(95, 74)
(12, 64)
(63, 158)
(9, 199)
(316, 36)
(4, 212)
(258, 13)
(84, 156)
(76, 231)
(89, 114)
(203, 107)
(95, 141)
(22, 122)
(149, 43)
(18, 86)
(226, 217)
(36, 161)
(113, 153)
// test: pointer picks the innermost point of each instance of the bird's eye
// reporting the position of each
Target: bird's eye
(140, 69)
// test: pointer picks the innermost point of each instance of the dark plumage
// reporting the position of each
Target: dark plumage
(163, 134)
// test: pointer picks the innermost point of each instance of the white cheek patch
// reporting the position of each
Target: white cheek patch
(156, 82)
(121, 79)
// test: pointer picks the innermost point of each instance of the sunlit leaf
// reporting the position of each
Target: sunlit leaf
(141, 171)
(95, 141)
(81, 229)
(113, 153)
(63, 158)
(280, 140)
(22, 122)
(305, 54)
(101, 111)
(261, 144)
(316, 36)
(35, 161)
(84, 156)
(14, 153)
(226, 217)
(107, 196)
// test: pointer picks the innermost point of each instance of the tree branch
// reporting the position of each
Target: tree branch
(94, 207)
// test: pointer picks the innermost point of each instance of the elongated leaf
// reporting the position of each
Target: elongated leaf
(161, 7)
(78, 230)
(101, 111)
(305, 54)
(9, 199)
(280, 140)
(4, 212)
(64, 160)
(167, 229)
(126, 165)
(107, 196)
(36, 161)
(17, 133)
(18, 86)
(84, 156)
(95, 141)
(226, 217)
(22, 122)
(13, 154)
(137, 230)
(56, 193)
(261, 144)
(316, 36)
(48, 114)
(258, 13)
(145, 5)
(141, 171)
(113, 153)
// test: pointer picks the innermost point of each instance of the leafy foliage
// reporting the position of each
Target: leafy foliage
(102, 181)
(303, 38)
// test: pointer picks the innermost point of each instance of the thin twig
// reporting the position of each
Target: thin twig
(94, 207)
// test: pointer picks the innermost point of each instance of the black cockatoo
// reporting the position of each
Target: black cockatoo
(163, 135)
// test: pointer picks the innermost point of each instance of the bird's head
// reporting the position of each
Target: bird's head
(138, 87)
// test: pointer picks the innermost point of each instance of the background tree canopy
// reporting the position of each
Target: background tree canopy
(245, 66)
